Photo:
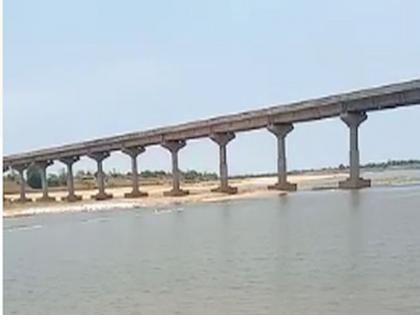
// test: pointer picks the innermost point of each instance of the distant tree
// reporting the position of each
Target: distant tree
(33, 177)
(12, 176)
(114, 173)
(80, 174)
(146, 174)
(53, 180)
(192, 175)
(62, 177)
(210, 176)
(153, 174)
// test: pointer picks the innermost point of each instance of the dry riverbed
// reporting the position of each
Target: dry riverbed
(199, 192)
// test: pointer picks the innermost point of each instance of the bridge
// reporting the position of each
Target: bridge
(351, 107)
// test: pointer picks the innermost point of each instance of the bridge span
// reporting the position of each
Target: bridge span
(351, 107)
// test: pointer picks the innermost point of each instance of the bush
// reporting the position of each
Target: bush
(153, 174)
(53, 180)
(62, 177)
(33, 177)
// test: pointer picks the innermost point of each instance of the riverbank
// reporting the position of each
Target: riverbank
(255, 187)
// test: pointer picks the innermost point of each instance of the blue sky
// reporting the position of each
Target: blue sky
(77, 70)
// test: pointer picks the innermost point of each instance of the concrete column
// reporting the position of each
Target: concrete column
(173, 147)
(21, 169)
(71, 197)
(42, 166)
(100, 176)
(133, 152)
(353, 120)
(222, 139)
(5, 169)
(281, 131)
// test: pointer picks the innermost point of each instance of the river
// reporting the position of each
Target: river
(321, 252)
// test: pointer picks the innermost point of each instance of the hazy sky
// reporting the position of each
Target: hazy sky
(76, 70)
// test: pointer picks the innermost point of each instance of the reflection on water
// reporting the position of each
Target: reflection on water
(325, 252)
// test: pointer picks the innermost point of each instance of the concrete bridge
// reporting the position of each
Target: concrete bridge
(351, 107)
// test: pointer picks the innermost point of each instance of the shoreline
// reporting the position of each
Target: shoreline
(125, 203)
(248, 188)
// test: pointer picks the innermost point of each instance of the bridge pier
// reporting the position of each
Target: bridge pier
(100, 176)
(42, 166)
(69, 161)
(5, 169)
(21, 169)
(173, 147)
(353, 121)
(133, 153)
(222, 139)
(281, 131)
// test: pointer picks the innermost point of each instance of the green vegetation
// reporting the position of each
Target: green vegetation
(194, 176)
(189, 175)
(394, 163)
(82, 174)
(33, 177)
(88, 179)
(12, 176)
(56, 180)
(152, 174)
(407, 164)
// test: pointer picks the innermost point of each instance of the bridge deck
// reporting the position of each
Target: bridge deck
(379, 98)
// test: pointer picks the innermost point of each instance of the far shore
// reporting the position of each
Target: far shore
(251, 187)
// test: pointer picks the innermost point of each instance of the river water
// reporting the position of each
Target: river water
(324, 252)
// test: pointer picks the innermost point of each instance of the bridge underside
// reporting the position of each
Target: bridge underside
(351, 107)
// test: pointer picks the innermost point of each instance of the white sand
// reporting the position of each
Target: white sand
(200, 192)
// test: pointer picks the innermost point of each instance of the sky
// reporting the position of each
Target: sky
(82, 69)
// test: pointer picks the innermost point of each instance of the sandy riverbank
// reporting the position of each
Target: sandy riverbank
(199, 192)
